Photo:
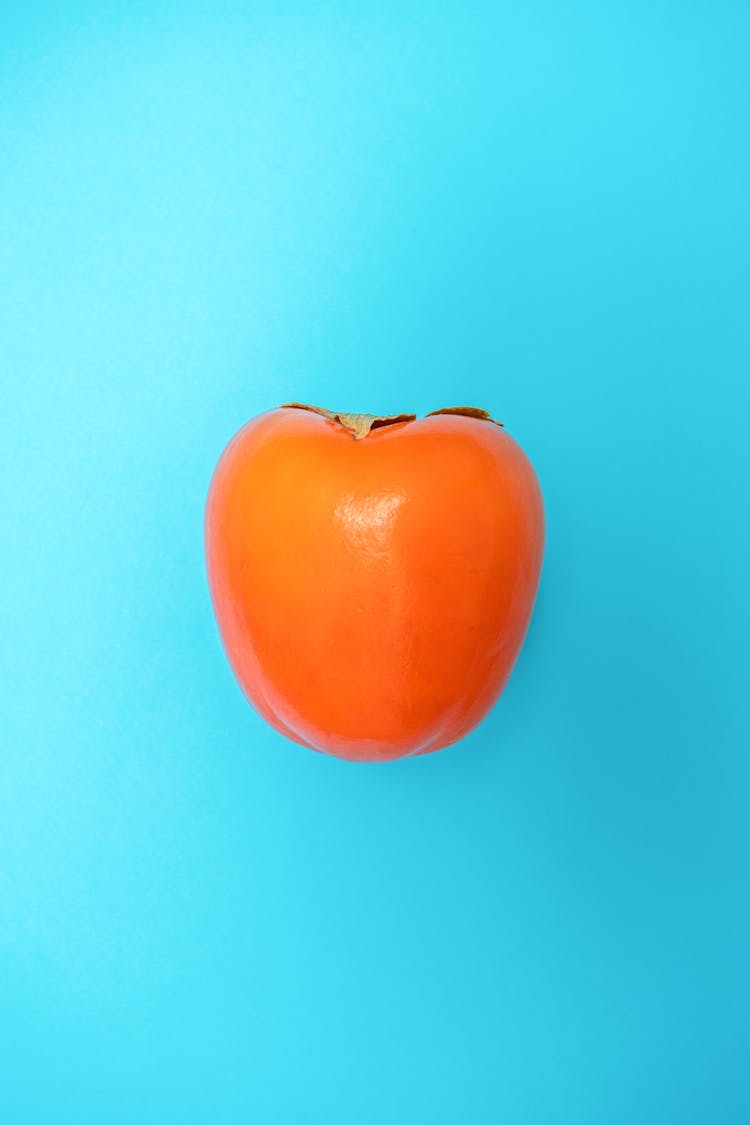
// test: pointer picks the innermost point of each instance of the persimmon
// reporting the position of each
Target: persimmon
(373, 577)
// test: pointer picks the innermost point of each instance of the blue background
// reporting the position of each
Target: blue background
(541, 209)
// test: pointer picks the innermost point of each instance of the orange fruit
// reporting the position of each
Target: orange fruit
(373, 577)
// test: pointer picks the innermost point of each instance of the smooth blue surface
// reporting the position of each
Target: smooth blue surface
(541, 209)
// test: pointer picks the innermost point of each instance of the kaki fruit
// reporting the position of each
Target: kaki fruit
(373, 577)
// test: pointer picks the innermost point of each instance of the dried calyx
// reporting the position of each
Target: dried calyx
(360, 425)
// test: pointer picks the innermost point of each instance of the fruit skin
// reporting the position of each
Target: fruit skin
(372, 595)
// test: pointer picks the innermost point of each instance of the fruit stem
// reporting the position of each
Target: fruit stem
(360, 425)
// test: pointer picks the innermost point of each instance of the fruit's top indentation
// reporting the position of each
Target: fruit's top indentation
(360, 425)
